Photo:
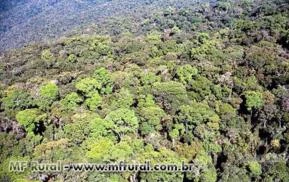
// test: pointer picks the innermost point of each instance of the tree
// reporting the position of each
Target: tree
(207, 170)
(100, 150)
(47, 55)
(254, 100)
(88, 86)
(122, 151)
(125, 121)
(202, 87)
(16, 100)
(149, 78)
(71, 58)
(197, 113)
(185, 73)
(122, 99)
(29, 118)
(163, 156)
(100, 128)
(80, 127)
(177, 132)
(52, 150)
(170, 95)
(255, 168)
(234, 173)
(146, 101)
(150, 118)
(48, 94)
(277, 171)
(49, 91)
(71, 101)
(93, 102)
(153, 39)
(226, 111)
(206, 48)
(103, 76)
(7, 175)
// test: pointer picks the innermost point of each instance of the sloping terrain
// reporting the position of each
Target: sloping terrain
(205, 84)
(27, 21)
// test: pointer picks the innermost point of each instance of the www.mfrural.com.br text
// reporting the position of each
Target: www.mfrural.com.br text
(20, 166)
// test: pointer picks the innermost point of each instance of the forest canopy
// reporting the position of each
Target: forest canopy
(205, 84)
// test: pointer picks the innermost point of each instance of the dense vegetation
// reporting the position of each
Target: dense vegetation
(206, 85)
(26, 21)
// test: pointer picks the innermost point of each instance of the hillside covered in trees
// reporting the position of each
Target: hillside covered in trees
(26, 21)
(205, 83)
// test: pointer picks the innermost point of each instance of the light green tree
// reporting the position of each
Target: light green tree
(29, 118)
(185, 73)
(16, 100)
(122, 99)
(100, 150)
(48, 93)
(255, 168)
(88, 86)
(93, 102)
(71, 101)
(150, 118)
(125, 121)
(103, 76)
(254, 100)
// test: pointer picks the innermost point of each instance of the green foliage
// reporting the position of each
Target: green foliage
(52, 150)
(277, 171)
(185, 73)
(80, 127)
(46, 55)
(176, 29)
(7, 175)
(105, 149)
(226, 111)
(170, 94)
(197, 113)
(254, 100)
(100, 128)
(177, 131)
(221, 92)
(208, 172)
(255, 168)
(49, 91)
(164, 156)
(125, 121)
(99, 151)
(150, 119)
(89, 47)
(16, 100)
(146, 101)
(48, 94)
(234, 173)
(71, 101)
(122, 99)
(71, 58)
(149, 78)
(170, 46)
(88, 86)
(206, 48)
(154, 38)
(103, 76)
(197, 120)
(122, 151)
(93, 102)
(202, 87)
(201, 83)
(29, 118)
